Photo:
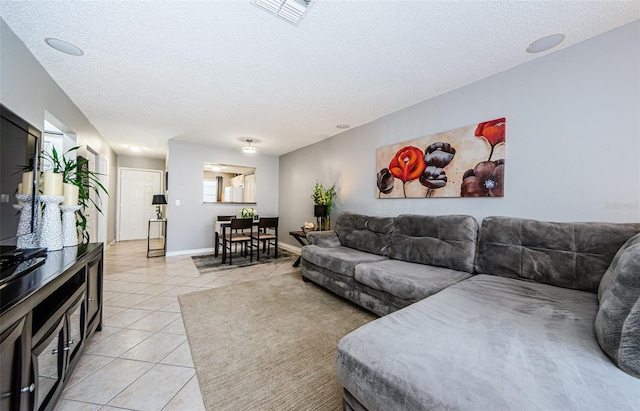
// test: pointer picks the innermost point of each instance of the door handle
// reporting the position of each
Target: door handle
(30, 388)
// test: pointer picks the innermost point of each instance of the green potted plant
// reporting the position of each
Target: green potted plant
(76, 171)
(247, 212)
(323, 200)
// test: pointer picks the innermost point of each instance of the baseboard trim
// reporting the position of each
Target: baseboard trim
(287, 247)
(194, 251)
(290, 247)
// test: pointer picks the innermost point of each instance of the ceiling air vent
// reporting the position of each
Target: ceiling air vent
(288, 10)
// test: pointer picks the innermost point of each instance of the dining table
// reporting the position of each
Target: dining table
(220, 230)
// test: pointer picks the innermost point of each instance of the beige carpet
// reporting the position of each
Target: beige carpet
(268, 344)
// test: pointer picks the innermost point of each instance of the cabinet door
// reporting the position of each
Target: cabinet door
(75, 329)
(94, 294)
(48, 364)
(16, 389)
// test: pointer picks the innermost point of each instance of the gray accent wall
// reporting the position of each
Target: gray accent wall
(190, 226)
(572, 142)
(29, 91)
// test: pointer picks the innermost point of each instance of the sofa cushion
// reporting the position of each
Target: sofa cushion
(376, 301)
(364, 233)
(408, 281)
(323, 238)
(444, 241)
(618, 319)
(486, 343)
(571, 255)
(341, 260)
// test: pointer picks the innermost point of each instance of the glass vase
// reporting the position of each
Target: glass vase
(324, 223)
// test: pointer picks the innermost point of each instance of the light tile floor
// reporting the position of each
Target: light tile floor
(141, 359)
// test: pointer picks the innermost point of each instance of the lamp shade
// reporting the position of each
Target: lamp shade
(249, 148)
(159, 199)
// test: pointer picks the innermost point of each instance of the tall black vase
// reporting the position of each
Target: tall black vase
(319, 210)
(322, 219)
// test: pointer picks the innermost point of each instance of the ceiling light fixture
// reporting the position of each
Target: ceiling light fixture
(248, 148)
(291, 11)
(64, 46)
(343, 126)
(545, 43)
(137, 149)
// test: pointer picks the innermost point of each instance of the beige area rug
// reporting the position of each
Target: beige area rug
(268, 344)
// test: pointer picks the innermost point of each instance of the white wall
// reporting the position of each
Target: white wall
(190, 225)
(572, 149)
(28, 90)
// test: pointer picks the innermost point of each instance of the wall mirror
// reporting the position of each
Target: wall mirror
(224, 183)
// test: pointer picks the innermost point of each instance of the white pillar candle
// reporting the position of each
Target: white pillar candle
(52, 184)
(19, 188)
(70, 195)
(27, 183)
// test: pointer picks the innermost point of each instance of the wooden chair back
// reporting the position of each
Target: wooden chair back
(241, 223)
(268, 222)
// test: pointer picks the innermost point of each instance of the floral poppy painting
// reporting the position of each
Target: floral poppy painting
(464, 162)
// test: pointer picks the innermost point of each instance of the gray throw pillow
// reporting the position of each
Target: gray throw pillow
(618, 319)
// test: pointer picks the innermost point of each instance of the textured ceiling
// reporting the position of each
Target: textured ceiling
(218, 72)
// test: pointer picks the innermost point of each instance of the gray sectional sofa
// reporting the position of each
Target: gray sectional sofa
(518, 315)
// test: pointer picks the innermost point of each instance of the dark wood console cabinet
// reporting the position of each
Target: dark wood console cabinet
(45, 319)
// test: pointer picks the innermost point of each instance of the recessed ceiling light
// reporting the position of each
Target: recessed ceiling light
(288, 10)
(136, 148)
(545, 43)
(64, 46)
(343, 126)
(248, 148)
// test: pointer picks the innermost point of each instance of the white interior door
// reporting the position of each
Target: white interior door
(137, 188)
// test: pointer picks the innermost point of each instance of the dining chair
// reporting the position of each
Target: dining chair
(237, 235)
(217, 234)
(268, 234)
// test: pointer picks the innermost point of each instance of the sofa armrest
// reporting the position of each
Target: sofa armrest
(326, 239)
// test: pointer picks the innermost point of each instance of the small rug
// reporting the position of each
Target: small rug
(208, 263)
(268, 344)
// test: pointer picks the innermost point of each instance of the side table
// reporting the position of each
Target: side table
(157, 252)
(299, 235)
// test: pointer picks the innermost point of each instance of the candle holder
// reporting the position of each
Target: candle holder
(24, 224)
(51, 234)
(26, 239)
(69, 232)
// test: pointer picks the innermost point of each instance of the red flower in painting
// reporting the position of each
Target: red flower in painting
(486, 179)
(407, 164)
(492, 131)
